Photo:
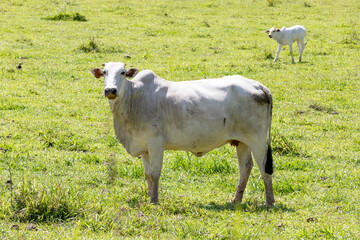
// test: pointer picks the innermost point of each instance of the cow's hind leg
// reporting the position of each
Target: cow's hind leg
(245, 166)
(153, 163)
(263, 159)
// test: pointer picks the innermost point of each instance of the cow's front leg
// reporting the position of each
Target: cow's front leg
(278, 52)
(146, 162)
(153, 163)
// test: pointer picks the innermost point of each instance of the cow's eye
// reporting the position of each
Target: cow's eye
(122, 73)
(105, 72)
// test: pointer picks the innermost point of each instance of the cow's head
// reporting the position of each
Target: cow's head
(114, 74)
(272, 31)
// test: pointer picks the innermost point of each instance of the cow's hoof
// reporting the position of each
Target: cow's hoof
(270, 203)
(236, 201)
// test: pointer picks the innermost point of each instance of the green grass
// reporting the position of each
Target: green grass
(63, 169)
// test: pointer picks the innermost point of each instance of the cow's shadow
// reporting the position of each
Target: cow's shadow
(247, 206)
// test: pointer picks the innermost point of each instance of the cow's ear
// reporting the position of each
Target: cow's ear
(131, 72)
(97, 72)
(278, 30)
(267, 31)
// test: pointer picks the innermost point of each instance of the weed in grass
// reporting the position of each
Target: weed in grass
(94, 47)
(268, 54)
(272, 3)
(205, 23)
(68, 17)
(90, 46)
(282, 145)
(306, 4)
(352, 39)
(34, 203)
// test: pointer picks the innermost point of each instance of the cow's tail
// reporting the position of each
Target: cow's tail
(269, 160)
(306, 39)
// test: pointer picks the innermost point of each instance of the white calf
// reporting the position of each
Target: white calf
(286, 36)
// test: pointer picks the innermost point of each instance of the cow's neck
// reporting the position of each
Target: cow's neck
(120, 110)
(118, 105)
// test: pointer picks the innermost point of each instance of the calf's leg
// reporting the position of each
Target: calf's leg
(245, 166)
(277, 53)
(291, 53)
(301, 46)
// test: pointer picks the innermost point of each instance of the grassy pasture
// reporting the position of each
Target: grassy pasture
(63, 170)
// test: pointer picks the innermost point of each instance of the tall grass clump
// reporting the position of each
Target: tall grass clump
(93, 46)
(41, 203)
(90, 46)
(282, 145)
(272, 3)
(268, 54)
(67, 17)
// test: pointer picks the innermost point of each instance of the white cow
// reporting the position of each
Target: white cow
(151, 115)
(287, 36)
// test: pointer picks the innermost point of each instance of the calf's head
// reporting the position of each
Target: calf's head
(114, 74)
(272, 32)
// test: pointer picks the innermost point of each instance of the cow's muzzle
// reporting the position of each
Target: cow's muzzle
(110, 93)
(270, 36)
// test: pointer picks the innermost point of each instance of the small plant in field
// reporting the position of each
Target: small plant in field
(272, 3)
(307, 4)
(33, 204)
(282, 145)
(268, 54)
(353, 38)
(68, 17)
(78, 17)
(91, 46)
(206, 24)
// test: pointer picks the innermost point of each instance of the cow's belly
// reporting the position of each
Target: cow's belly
(197, 137)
